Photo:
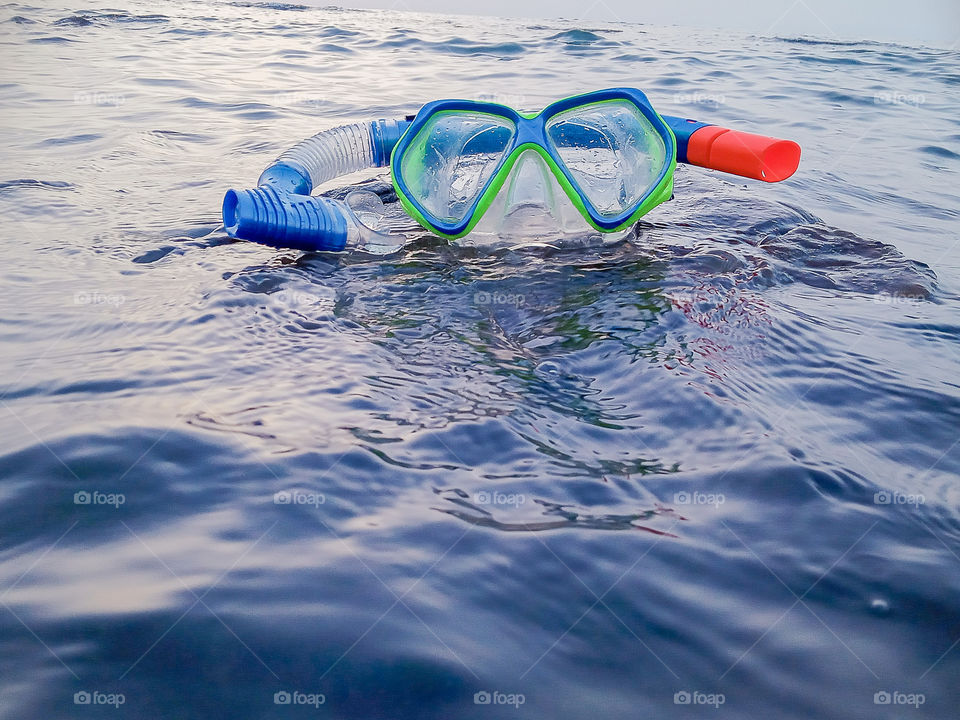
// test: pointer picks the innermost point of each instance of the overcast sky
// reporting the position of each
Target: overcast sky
(926, 22)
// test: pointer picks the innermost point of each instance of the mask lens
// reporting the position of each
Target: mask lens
(450, 161)
(611, 150)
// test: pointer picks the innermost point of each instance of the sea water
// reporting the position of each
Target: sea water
(711, 471)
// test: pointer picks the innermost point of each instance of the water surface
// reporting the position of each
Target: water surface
(720, 458)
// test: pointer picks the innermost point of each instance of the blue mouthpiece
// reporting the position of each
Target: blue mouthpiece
(285, 220)
(281, 212)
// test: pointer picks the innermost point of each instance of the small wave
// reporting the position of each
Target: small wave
(670, 81)
(846, 99)
(828, 60)
(73, 20)
(154, 255)
(30, 182)
(554, 516)
(467, 48)
(939, 152)
(189, 32)
(804, 40)
(454, 46)
(49, 39)
(335, 32)
(126, 17)
(822, 256)
(636, 58)
(175, 135)
(209, 422)
(72, 139)
(162, 82)
(577, 37)
(92, 17)
(252, 110)
(272, 6)
(334, 48)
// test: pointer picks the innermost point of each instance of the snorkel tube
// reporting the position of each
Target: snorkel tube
(281, 213)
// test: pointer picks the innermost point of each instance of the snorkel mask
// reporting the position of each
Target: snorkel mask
(584, 166)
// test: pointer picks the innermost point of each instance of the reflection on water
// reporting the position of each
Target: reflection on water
(383, 480)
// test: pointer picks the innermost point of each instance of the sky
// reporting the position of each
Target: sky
(934, 23)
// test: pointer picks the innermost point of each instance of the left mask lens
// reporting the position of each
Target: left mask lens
(450, 161)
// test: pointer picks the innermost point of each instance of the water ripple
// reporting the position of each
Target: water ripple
(595, 476)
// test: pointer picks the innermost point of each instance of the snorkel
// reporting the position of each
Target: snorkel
(757, 157)
(281, 212)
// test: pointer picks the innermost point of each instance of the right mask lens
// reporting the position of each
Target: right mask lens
(449, 163)
(612, 151)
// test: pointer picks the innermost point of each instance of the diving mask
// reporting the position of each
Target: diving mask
(592, 163)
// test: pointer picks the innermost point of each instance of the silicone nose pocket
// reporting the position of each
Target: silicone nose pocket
(531, 183)
(531, 204)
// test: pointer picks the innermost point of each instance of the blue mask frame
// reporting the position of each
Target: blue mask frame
(531, 134)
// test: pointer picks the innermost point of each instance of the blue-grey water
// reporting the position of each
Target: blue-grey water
(711, 471)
